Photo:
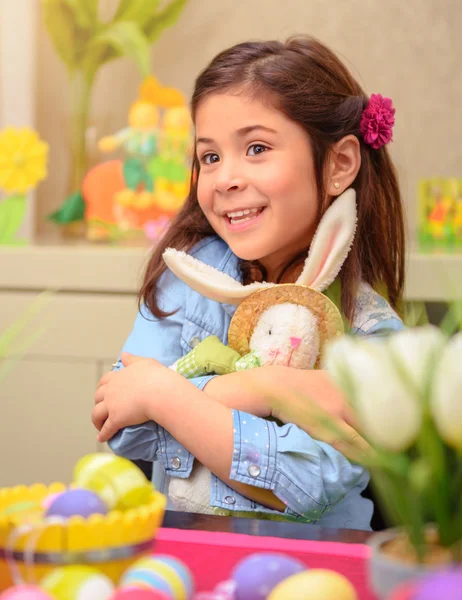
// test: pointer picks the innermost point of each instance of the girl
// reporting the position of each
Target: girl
(282, 129)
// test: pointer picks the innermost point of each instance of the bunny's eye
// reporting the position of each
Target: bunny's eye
(270, 332)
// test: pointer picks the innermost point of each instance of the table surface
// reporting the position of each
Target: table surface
(288, 530)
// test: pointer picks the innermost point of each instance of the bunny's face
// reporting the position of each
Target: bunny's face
(287, 334)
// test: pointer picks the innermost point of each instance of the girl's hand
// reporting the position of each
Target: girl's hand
(318, 407)
(122, 397)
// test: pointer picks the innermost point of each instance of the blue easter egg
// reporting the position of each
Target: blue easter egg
(256, 575)
(76, 502)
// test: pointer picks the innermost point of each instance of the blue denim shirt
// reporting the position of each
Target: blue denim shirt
(315, 481)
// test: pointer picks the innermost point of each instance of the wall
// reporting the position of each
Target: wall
(407, 50)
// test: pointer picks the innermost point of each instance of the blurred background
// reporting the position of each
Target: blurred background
(64, 240)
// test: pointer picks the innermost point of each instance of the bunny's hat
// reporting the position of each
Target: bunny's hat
(328, 251)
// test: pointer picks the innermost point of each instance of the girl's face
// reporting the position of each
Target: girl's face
(256, 183)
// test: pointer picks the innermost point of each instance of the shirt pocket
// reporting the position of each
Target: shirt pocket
(193, 333)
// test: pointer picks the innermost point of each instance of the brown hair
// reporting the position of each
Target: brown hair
(310, 85)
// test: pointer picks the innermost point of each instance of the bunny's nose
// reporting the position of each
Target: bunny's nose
(295, 341)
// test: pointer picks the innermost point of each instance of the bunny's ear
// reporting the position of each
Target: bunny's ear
(207, 280)
(331, 243)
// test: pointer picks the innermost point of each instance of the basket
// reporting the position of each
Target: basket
(110, 543)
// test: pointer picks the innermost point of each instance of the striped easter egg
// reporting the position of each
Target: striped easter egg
(117, 480)
(164, 573)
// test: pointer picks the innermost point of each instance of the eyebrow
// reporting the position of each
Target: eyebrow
(240, 133)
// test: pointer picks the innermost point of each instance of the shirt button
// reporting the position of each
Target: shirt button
(254, 470)
(230, 500)
(194, 342)
(176, 463)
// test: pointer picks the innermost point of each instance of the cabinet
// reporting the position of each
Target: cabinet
(46, 399)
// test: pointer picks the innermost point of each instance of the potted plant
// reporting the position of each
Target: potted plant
(406, 394)
(85, 43)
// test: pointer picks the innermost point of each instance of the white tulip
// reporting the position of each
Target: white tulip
(446, 401)
(389, 414)
(417, 351)
(336, 361)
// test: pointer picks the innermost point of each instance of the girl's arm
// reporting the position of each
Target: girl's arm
(309, 399)
(274, 465)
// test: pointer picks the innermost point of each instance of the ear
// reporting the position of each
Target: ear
(343, 165)
(207, 280)
(331, 243)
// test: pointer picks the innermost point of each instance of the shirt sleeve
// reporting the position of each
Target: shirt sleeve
(159, 339)
(307, 475)
(373, 315)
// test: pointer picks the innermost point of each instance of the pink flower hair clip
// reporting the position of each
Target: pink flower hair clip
(377, 121)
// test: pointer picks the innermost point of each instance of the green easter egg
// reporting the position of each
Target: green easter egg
(24, 512)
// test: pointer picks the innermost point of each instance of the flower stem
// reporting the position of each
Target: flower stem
(81, 87)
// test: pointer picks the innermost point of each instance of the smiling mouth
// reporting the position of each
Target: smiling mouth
(240, 216)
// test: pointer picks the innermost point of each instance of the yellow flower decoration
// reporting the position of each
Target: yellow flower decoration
(152, 91)
(23, 160)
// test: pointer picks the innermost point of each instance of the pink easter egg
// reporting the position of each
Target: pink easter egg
(24, 592)
(404, 592)
(48, 500)
(140, 594)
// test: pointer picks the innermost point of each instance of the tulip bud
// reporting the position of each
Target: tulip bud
(446, 400)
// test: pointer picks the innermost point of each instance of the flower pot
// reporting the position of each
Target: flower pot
(387, 572)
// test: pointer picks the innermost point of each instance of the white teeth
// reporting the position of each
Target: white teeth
(234, 221)
(241, 213)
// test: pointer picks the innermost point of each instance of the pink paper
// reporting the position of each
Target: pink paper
(211, 555)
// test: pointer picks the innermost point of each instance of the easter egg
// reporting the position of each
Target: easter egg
(76, 582)
(445, 585)
(48, 500)
(163, 573)
(139, 594)
(256, 575)
(404, 592)
(25, 592)
(118, 481)
(76, 502)
(24, 513)
(316, 584)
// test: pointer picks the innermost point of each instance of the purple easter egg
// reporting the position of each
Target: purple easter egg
(76, 502)
(257, 574)
(445, 585)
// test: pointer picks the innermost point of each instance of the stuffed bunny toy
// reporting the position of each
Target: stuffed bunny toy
(274, 324)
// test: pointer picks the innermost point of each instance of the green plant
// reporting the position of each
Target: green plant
(405, 393)
(85, 43)
(12, 346)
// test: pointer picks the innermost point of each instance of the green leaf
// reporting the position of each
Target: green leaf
(163, 19)
(452, 320)
(72, 210)
(62, 28)
(119, 39)
(139, 11)
(12, 211)
(85, 13)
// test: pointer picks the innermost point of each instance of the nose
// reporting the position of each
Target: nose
(229, 181)
(295, 341)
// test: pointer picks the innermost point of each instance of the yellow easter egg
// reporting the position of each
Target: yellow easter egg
(118, 481)
(315, 584)
(77, 582)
